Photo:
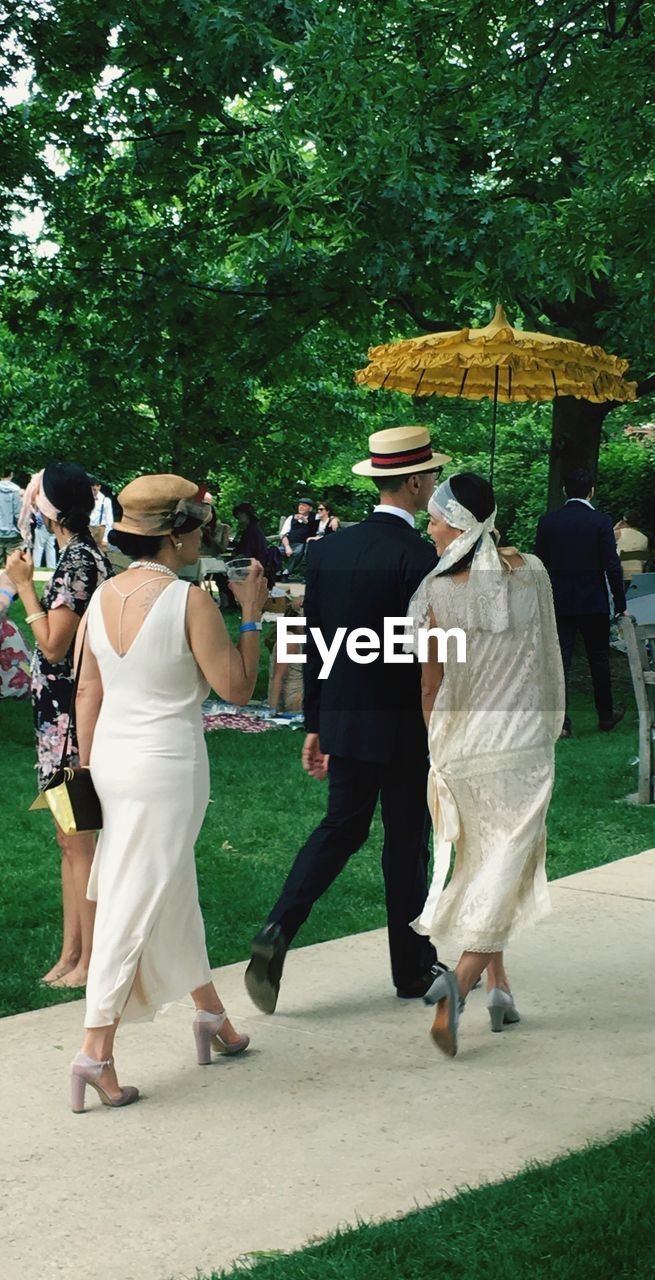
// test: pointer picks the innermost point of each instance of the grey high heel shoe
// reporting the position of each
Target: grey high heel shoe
(444, 992)
(206, 1028)
(84, 1071)
(501, 1008)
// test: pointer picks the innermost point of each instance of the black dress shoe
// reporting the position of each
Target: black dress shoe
(414, 990)
(618, 713)
(262, 977)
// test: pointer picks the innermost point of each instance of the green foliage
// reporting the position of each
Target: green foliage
(626, 482)
(239, 198)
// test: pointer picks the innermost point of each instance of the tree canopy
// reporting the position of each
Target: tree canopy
(240, 197)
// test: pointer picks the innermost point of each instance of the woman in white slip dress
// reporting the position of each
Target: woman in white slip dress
(153, 646)
(492, 724)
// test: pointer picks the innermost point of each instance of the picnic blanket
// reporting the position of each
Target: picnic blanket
(255, 717)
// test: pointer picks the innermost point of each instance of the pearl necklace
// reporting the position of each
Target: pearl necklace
(152, 564)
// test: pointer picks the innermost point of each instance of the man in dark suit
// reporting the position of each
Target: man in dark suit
(365, 730)
(578, 547)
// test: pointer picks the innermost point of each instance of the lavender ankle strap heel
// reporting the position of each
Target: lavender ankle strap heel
(206, 1028)
(84, 1071)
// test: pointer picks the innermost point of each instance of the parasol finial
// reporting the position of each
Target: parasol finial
(499, 321)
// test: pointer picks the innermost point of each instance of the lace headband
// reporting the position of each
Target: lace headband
(444, 503)
(487, 604)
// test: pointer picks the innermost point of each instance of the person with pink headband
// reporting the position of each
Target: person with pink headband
(62, 493)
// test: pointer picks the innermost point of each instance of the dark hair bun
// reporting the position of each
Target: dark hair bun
(473, 492)
(134, 545)
(75, 520)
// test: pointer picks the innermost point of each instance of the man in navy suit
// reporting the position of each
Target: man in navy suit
(365, 729)
(578, 547)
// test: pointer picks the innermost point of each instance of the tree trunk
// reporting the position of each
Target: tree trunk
(177, 452)
(575, 441)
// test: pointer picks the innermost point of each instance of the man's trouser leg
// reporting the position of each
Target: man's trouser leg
(296, 557)
(354, 786)
(405, 859)
(40, 548)
(595, 628)
(566, 631)
(7, 545)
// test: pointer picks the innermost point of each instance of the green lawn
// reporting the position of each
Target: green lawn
(263, 807)
(588, 1215)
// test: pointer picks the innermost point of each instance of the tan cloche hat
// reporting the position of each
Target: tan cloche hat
(400, 451)
(150, 504)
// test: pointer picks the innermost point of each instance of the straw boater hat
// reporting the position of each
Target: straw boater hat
(400, 451)
(158, 504)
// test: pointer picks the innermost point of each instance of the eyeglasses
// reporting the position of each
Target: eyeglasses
(320, 508)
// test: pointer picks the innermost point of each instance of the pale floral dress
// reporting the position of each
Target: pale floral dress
(14, 662)
(80, 569)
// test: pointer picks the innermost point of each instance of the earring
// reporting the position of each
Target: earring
(178, 545)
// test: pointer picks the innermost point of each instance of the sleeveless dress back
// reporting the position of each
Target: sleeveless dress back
(150, 768)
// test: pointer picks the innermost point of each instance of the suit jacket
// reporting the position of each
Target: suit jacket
(578, 547)
(364, 712)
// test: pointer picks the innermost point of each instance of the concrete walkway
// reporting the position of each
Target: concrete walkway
(342, 1109)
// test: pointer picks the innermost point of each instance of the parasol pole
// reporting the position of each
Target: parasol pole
(493, 425)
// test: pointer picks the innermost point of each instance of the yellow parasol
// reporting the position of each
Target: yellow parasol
(498, 362)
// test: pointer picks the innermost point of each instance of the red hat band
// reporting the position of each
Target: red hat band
(403, 458)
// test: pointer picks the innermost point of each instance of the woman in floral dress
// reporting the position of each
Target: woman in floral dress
(63, 495)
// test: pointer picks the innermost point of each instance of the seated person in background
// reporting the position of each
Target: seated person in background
(215, 535)
(296, 531)
(250, 540)
(630, 539)
(285, 682)
(327, 522)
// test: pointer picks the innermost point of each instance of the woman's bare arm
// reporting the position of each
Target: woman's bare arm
(89, 696)
(279, 671)
(431, 675)
(230, 669)
(55, 631)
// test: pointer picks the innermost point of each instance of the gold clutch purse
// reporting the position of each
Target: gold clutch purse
(69, 793)
(73, 801)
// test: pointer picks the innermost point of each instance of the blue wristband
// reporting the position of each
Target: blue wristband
(11, 595)
(250, 626)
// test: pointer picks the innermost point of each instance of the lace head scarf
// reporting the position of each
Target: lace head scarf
(35, 499)
(486, 605)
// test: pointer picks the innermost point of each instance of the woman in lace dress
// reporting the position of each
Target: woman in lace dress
(63, 495)
(492, 724)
